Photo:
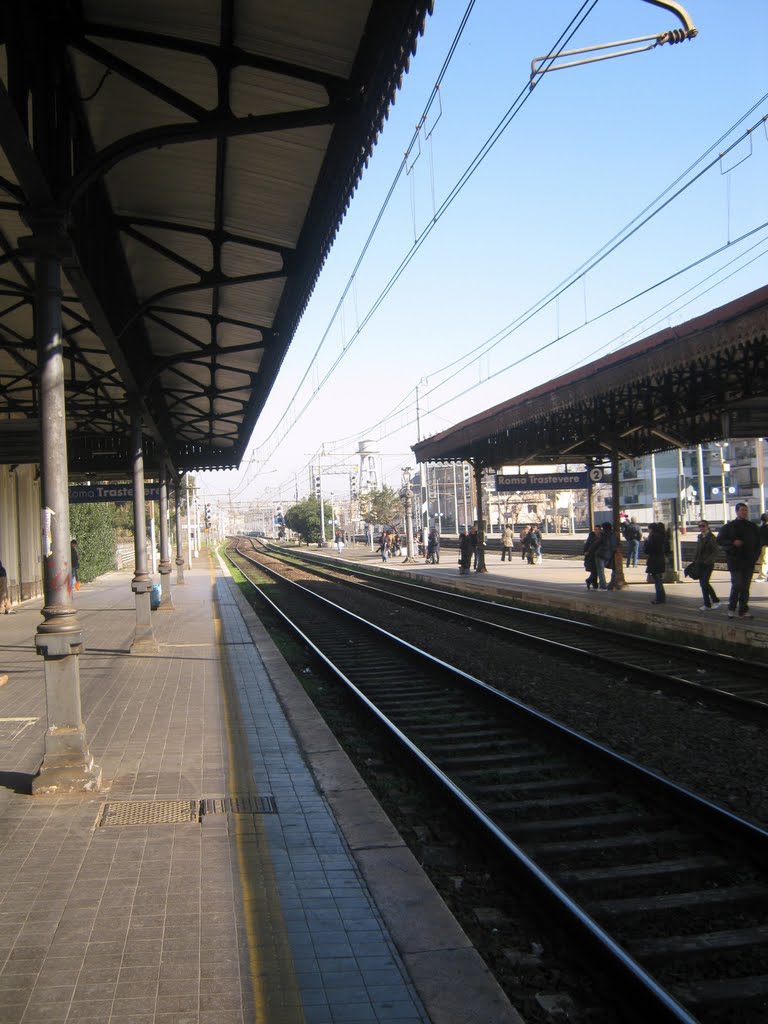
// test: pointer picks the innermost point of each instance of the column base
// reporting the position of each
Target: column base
(143, 639)
(62, 779)
(145, 645)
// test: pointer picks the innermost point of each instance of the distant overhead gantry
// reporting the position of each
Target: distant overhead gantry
(676, 35)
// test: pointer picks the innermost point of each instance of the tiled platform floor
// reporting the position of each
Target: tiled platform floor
(308, 909)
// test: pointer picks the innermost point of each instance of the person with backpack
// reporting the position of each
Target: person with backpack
(633, 536)
(603, 551)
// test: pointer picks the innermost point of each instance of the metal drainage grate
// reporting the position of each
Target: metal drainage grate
(173, 812)
(149, 812)
(247, 804)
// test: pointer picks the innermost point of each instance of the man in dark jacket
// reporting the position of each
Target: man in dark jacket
(740, 539)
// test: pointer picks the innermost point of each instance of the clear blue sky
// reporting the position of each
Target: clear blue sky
(586, 153)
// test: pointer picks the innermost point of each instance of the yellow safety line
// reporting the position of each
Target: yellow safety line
(275, 987)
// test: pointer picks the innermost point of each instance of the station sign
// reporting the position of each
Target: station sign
(86, 494)
(548, 481)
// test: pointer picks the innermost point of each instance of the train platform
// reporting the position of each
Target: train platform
(234, 867)
(559, 583)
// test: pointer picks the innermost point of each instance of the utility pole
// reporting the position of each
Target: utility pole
(319, 477)
(423, 485)
(409, 556)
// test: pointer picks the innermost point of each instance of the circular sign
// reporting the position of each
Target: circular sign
(596, 474)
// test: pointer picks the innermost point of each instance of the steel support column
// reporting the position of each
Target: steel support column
(67, 765)
(144, 638)
(407, 496)
(179, 534)
(618, 581)
(477, 465)
(166, 601)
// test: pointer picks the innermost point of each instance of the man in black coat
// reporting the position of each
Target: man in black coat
(740, 539)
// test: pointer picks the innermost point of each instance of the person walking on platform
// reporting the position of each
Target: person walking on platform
(465, 553)
(433, 547)
(740, 539)
(534, 545)
(473, 544)
(507, 543)
(762, 561)
(704, 558)
(340, 542)
(604, 551)
(589, 558)
(5, 603)
(75, 563)
(656, 560)
(523, 542)
(632, 536)
(384, 546)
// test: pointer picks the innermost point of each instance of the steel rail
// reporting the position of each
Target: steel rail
(708, 663)
(651, 995)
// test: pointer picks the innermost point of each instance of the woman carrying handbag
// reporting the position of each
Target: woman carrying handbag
(704, 560)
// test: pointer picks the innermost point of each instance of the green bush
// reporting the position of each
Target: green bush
(93, 527)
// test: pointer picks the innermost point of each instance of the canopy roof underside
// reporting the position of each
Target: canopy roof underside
(700, 381)
(194, 162)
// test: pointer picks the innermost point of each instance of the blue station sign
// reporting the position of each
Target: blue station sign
(547, 481)
(85, 494)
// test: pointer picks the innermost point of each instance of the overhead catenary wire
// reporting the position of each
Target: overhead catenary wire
(648, 213)
(523, 96)
(607, 312)
(579, 274)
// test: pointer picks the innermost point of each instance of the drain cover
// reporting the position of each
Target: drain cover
(150, 812)
(173, 812)
(247, 804)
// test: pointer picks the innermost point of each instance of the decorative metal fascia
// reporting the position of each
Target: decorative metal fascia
(679, 383)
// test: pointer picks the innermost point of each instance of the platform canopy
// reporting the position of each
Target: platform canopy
(194, 162)
(699, 381)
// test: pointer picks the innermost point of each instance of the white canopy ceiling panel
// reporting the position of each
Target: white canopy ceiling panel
(199, 21)
(237, 260)
(251, 301)
(253, 91)
(319, 34)
(175, 183)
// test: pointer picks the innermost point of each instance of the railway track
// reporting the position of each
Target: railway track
(716, 679)
(666, 892)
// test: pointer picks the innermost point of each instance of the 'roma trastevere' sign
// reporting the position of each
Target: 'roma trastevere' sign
(548, 481)
(80, 495)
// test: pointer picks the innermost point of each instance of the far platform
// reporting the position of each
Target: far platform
(559, 584)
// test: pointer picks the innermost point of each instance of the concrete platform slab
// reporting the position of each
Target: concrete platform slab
(295, 902)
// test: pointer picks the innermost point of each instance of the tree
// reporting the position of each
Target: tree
(383, 507)
(96, 538)
(304, 519)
